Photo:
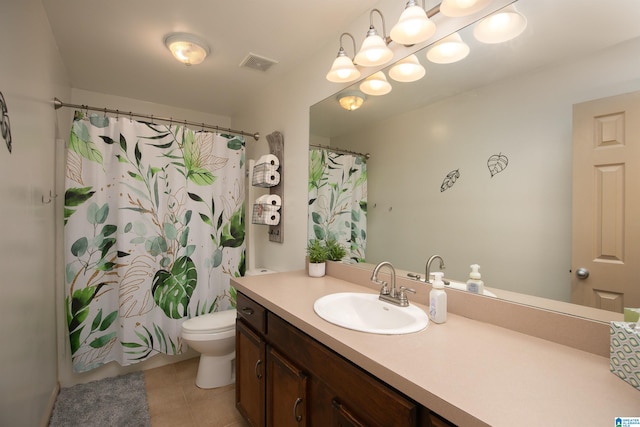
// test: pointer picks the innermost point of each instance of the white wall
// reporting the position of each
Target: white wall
(284, 106)
(31, 74)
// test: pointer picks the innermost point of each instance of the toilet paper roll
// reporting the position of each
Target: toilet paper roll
(272, 218)
(269, 178)
(271, 200)
(269, 159)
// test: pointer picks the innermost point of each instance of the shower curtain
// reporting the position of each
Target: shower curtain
(338, 200)
(154, 230)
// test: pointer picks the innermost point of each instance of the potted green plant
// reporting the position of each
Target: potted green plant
(317, 253)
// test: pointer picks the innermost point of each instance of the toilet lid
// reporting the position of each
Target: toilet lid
(213, 322)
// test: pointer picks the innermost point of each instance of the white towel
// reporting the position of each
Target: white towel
(269, 159)
(270, 199)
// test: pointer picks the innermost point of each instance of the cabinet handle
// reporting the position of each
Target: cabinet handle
(297, 417)
(247, 311)
(258, 374)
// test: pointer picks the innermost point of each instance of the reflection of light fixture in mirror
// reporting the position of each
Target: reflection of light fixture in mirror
(374, 50)
(343, 70)
(351, 100)
(449, 49)
(414, 26)
(407, 70)
(501, 26)
(187, 48)
(376, 84)
(457, 8)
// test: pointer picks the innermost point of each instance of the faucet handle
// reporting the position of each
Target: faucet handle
(385, 286)
(404, 301)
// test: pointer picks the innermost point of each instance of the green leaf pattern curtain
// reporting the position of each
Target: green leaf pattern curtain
(338, 200)
(154, 230)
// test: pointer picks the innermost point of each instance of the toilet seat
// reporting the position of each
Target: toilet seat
(219, 321)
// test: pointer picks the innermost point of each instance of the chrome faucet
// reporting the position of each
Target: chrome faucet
(428, 266)
(391, 294)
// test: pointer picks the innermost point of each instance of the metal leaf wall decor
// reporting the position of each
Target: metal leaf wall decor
(5, 127)
(449, 180)
(497, 163)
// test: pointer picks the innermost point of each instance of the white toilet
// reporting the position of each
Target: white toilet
(213, 335)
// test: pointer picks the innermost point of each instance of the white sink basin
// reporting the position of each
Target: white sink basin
(366, 313)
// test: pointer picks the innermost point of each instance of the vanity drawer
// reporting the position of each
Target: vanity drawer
(252, 312)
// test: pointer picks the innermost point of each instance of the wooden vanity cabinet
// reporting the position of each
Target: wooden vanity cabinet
(284, 378)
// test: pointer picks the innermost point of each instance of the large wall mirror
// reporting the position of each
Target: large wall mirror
(512, 100)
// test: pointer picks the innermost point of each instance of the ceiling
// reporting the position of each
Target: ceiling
(117, 47)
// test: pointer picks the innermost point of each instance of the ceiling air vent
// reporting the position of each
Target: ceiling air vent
(257, 62)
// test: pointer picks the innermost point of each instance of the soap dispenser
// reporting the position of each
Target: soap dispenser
(475, 284)
(438, 299)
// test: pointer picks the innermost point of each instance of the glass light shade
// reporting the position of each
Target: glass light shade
(457, 8)
(351, 100)
(501, 26)
(342, 70)
(187, 48)
(448, 50)
(407, 70)
(376, 84)
(374, 51)
(413, 27)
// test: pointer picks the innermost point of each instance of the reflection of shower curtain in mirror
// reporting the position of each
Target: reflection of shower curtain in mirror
(338, 200)
(154, 229)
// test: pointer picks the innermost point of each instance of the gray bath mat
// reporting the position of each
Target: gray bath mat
(111, 402)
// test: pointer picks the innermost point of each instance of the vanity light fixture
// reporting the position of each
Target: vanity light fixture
(407, 70)
(376, 84)
(351, 100)
(458, 8)
(187, 48)
(414, 26)
(343, 70)
(500, 26)
(448, 50)
(374, 50)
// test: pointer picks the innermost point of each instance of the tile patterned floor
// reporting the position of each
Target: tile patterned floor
(176, 401)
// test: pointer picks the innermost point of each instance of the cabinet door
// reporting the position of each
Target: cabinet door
(250, 374)
(286, 392)
(342, 417)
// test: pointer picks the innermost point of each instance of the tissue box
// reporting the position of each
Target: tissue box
(624, 360)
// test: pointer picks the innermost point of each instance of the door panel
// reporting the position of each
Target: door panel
(606, 203)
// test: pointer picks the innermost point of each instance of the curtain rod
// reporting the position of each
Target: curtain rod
(340, 150)
(57, 104)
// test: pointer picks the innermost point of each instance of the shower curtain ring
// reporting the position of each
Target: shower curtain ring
(105, 112)
(117, 115)
(202, 127)
(130, 117)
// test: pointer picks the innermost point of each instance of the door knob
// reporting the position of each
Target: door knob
(582, 273)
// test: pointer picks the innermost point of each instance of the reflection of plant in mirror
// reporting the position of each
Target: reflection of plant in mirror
(335, 251)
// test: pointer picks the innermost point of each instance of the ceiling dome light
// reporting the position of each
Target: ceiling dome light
(351, 101)
(448, 50)
(407, 70)
(376, 84)
(187, 48)
(500, 26)
(413, 27)
(458, 8)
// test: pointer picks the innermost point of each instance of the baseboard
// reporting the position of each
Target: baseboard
(49, 409)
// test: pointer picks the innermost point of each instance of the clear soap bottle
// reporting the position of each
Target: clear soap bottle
(438, 300)
(475, 284)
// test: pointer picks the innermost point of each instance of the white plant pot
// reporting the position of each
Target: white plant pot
(317, 269)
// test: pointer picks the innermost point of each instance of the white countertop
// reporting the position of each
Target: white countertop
(469, 372)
